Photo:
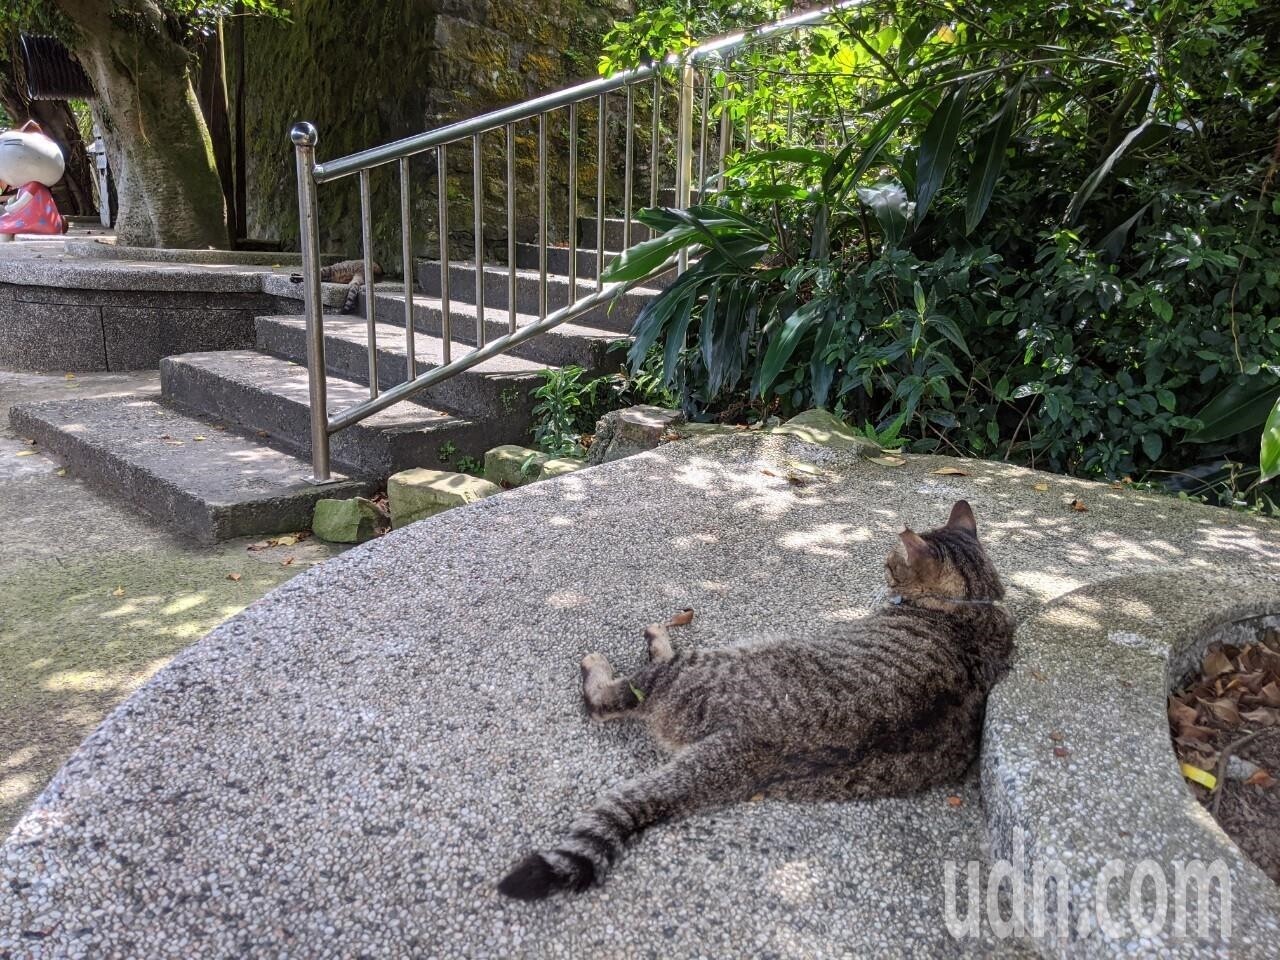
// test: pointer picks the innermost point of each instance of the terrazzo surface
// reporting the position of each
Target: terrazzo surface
(346, 768)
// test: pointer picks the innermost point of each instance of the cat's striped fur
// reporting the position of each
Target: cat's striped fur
(889, 704)
(350, 272)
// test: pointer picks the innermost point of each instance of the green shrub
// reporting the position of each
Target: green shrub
(1051, 239)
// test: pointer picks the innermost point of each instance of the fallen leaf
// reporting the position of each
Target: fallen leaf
(1181, 713)
(118, 592)
(682, 618)
(1215, 662)
(1224, 710)
(261, 433)
(60, 472)
(1038, 676)
(25, 453)
(755, 798)
(949, 472)
(1190, 733)
(70, 376)
(1061, 752)
(234, 577)
(888, 461)
(1042, 487)
(1079, 507)
(954, 801)
(1270, 694)
(288, 541)
(1261, 778)
(199, 438)
(1264, 716)
(286, 561)
(1057, 736)
(1196, 775)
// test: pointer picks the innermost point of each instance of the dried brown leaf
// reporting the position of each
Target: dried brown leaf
(1040, 487)
(1225, 710)
(1181, 713)
(1061, 752)
(234, 577)
(949, 472)
(683, 618)
(888, 460)
(1079, 507)
(1260, 778)
(1270, 694)
(1216, 662)
(954, 801)
(1264, 716)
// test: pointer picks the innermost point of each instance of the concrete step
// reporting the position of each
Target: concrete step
(260, 392)
(616, 315)
(613, 233)
(498, 387)
(558, 259)
(222, 485)
(562, 346)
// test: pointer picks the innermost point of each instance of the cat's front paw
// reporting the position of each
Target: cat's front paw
(594, 663)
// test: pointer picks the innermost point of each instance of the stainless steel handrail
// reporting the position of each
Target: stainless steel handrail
(688, 67)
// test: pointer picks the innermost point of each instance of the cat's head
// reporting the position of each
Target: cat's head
(944, 564)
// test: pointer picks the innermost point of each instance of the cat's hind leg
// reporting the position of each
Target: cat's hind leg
(711, 772)
(659, 638)
(606, 696)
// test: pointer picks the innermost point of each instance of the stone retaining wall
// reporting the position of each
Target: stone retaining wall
(55, 328)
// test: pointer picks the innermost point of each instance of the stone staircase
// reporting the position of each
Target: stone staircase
(222, 450)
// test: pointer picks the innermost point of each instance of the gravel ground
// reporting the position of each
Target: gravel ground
(346, 768)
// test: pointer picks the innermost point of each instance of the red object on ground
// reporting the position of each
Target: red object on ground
(32, 211)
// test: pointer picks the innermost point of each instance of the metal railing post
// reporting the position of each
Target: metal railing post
(684, 149)
(304, 139)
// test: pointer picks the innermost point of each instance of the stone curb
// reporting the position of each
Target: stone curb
(1077, 765)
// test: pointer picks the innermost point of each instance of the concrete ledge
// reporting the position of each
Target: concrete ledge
(1078, 767)
(348, 766)
(61, 313)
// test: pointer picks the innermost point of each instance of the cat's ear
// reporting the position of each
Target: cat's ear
(917, 550)
(962, 518)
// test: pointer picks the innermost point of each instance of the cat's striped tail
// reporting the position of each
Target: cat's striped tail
(701, 775)
(353, 296)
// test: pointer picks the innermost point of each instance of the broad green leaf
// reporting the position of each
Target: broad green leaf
(801, 155)
(989, 160)
(646, 256)
(1092, 182)
(1152, 446)
(785, 341)
(1113, 243)
(1269, 456)
(888, 202)
(937, 145)
(1243, 405)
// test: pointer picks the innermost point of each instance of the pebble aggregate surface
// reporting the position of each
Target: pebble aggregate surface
(346, 768)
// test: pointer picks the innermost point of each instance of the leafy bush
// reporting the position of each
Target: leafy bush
(569, 407)
(1052, 239)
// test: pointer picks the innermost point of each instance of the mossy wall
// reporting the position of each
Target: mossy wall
(368, 73)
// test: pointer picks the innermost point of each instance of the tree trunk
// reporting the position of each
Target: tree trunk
(157, 142)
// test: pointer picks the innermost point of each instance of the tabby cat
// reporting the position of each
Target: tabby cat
(886, 705)
(350, 272)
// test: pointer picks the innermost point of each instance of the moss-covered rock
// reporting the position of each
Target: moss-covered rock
(419, 493)
(345, 521)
